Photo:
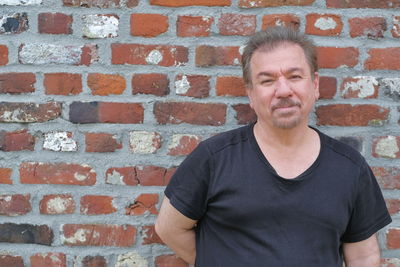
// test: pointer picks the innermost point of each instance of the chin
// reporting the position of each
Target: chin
(286, 124)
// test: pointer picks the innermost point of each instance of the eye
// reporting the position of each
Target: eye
(267, 81)
(295, 77)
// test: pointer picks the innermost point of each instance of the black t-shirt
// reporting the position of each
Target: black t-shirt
(250, 216)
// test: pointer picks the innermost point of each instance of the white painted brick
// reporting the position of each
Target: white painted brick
(20, 2)
(100, 26)
(59, 141)
(143, 142)
(36, 53)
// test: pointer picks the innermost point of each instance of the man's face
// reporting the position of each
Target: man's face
(283, 90)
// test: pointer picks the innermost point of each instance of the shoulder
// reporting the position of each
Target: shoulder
(226, 139)
(340, 150)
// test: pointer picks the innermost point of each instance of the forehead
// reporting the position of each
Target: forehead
(282, 57)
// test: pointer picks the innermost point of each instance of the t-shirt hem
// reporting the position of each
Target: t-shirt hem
(372, 230)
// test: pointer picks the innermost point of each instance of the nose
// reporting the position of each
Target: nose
(283, 88)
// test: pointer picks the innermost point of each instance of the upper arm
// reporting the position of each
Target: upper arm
(365, 250)
(170, 219)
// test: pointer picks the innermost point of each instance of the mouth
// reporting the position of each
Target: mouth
(285, 105)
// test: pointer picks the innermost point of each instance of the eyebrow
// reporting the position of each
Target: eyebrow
(271, 74)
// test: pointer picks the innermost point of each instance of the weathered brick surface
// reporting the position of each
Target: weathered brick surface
(138, 54)
(57, 204)
(14, 205)
(194, 26)
(55, 23)
(371, 27)
(62, 83)
(237, 24)
(287, 20)
(101, 100)
(148, 25)
(192, 85)
(10, 260)
(56, 173)
(29, 112)
(348, 115)
(26, 233)
(13, 23)
(393, 238)
(193, 113)
(48, 260)
(150, 83)
(98, 235)
(3, 55)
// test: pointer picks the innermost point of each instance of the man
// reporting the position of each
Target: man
(277, 192)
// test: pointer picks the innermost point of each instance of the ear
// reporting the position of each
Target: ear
(249, 91)
(316, 85)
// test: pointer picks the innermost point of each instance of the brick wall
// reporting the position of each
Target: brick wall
(102, 99)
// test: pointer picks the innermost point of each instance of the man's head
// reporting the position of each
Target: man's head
(271, 38)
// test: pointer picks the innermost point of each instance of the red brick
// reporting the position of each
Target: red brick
(230, 86)
(327, 87)
(217, 56)
(386, 147)
(395, 30)
(57, 204)
(29, 112)
(9, 260)
(393, 238)
(383, 59)
(140, 54)
(144, 204)
(387, 177)
(393, 206)
(62, 83)
(335, 57)
(180, 3)
(360, 87)
(183, 144)
(111, 112)
(48, 260)
(286, 20)
(194, 26)
(17, 83)
(94, 261)
(371, 27)
(101, 142)
(170, 261)
(55, 23)
(192, 85)
(244, 113)
(348, 115)
(323, 24)
(274, 3)
(56, 173)
(106, 84)
(192, 113)
(362, 4)
(237, 24)
(92, 3)
(94, 205)
(98, 235)
(17, 141)
(143, 142)
(5, 176)
(148, 25)
(3, 55)
(122, 175)
(150, 83)
(152, 175)
(14, 205)
(150, 236)
(89, 55)
(131, 3)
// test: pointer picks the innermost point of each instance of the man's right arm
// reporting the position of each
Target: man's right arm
(177, 231)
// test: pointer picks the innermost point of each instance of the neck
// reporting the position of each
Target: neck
(279, 137)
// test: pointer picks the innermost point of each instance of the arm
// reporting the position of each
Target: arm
(176, 231)
(362, 254)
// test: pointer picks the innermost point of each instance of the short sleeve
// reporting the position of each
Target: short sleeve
(369, 213)
(187, 190)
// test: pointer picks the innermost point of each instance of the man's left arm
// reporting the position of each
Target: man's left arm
(364, 253)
